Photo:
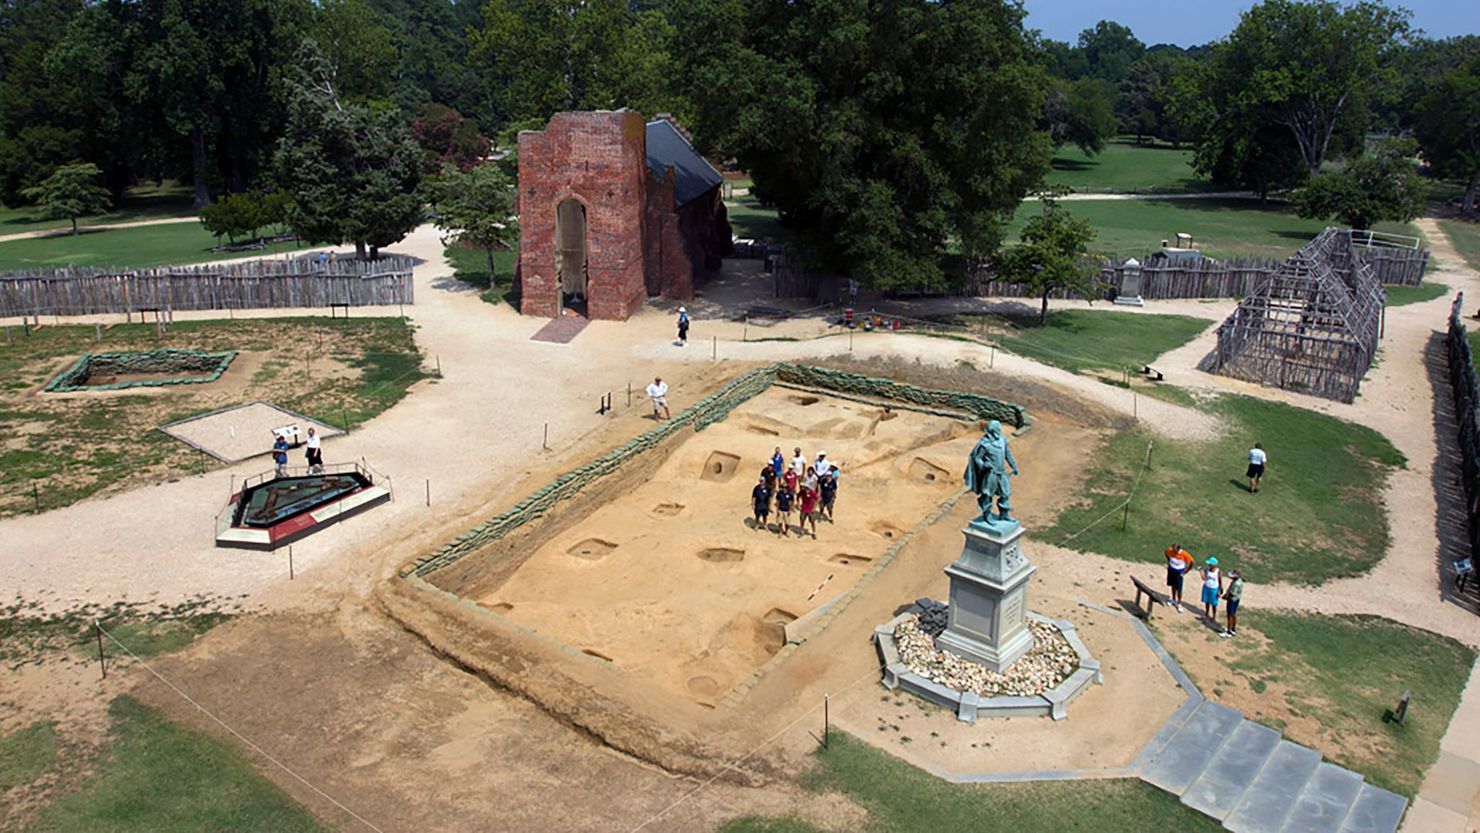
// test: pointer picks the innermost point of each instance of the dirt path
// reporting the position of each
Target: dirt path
(64, 231)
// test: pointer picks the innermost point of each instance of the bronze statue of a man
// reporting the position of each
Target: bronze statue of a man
(987, 474)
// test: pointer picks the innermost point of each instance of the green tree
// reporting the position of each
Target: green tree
(475, 207)
(72, 191)
(1053, 255)
(1079, 113)
(361, 44)
(883, 132)
(1448, 127)
(1382, 184)
(543, 56)
(1310, 67)
(1142, 103)
(53, 108)
(1110, 49)
(352, 173)
(236, 215)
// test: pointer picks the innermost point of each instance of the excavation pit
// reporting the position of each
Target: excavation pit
(657, 605)
(154, 368)
(654, 648)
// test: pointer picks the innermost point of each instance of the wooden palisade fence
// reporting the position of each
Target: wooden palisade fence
(255, 284)
(1467, 414)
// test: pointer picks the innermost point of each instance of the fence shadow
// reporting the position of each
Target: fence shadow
(1451, 522)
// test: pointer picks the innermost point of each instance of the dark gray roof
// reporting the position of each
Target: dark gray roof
(693, 175)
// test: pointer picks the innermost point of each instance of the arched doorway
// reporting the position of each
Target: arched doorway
(570, 254)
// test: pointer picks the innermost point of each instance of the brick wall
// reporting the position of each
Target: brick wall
(598, 158)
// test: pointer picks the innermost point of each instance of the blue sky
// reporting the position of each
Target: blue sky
(1188, 24)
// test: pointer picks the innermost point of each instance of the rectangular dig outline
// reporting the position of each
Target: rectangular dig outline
(67, 380)
(715, 408)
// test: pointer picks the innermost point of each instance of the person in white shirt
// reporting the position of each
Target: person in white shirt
(822, 466)
(314, 453)
(1257, 461)
(658, 392)
(798, 463)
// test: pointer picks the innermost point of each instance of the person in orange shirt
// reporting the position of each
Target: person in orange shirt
(1178, 563)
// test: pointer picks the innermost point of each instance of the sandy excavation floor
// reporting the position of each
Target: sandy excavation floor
(675, 583)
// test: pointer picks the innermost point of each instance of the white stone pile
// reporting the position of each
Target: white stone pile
(1049, 663)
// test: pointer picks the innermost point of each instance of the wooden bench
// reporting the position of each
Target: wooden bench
(335, 309)
(1153, 374)
(1152, 597)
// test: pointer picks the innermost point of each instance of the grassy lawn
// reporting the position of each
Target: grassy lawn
(749, 218)
(1319, 513)
(471, 267)
(158, 776)
(27, 754)
(1123, 167)
(1088, 340)
(899, 797)
(142, 202)
(1465, 237)
(1221, 227)
(1327, 681)
(175, 243)
(71, 448)
(1401, 296)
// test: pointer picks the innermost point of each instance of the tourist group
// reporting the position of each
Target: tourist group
(811, 489)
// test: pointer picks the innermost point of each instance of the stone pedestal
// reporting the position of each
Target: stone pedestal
(989, 597)
(1130, 285)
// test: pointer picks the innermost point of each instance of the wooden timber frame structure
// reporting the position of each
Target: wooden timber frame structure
(1313, 326)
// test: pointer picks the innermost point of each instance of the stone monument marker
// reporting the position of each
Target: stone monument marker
(989, 580)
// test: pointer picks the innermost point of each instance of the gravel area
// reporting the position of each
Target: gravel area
(1049, 663)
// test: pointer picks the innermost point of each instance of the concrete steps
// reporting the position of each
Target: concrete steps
(1253, 781)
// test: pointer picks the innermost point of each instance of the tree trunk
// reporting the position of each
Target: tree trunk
(1043, 313)
(74, 225)
(375, 253)
(198, 166)
(1468, 206)
(489, 252)
(360, 249)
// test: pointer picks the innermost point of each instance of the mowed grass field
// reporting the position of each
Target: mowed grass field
(142, 202)
(1082, 341)
(471, 267)
(150, 775)
(1464, 235)
(1219, 227)
(902, 799)
(1319, 513)
(1127, 168)
(172, 243)
(1327, 681)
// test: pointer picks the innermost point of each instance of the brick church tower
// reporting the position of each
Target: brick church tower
(612, 210)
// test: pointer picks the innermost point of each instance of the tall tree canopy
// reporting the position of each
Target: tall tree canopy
(1448, 126)
(352, 173)
(882, 131)
(543, 56)
(1309, 67)
(1079, 113)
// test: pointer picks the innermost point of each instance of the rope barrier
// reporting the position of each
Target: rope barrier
(238, 735)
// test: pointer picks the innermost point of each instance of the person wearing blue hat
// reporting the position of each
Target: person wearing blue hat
(1212, 588)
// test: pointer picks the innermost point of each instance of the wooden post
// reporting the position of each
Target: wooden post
(102, 657)
(714, 341)
(992, 362)
(439, 367)
(826, 719)
(97, 331)
(629, 393)
(36, 496)
(291, 575)
(545, 443)
(429, 491)
(344, 412)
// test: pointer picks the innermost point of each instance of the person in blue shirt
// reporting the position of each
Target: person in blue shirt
(829, 492)
(760, 500)
(280, 454)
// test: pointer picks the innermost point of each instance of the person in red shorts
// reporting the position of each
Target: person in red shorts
(807, 499)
